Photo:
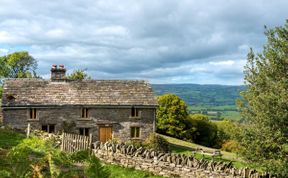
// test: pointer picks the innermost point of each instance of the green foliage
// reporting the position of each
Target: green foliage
(157, 143)
(121, 172)
(227, 131)
(1, 91)
(230, 146)
(171, 114)
(26, 157)
(80, 155)
(265, 104)
(9, 138)
(68, 126)
(32, 146)
(78, 74)
(18, 65)
(205, 131)
(5, 174)
(93, 168)
(135, 143)
(35, 157)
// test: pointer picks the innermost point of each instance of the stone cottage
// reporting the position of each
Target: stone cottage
(120, 109)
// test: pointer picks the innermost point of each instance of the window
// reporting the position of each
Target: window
(135, 132)
(134, 112)
(84, 113)
(84, 131)
(10, 97)
(48, 128)
(33, 114)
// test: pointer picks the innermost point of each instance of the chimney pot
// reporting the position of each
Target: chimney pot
(58, 74)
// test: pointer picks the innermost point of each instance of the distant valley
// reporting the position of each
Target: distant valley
(206, 98)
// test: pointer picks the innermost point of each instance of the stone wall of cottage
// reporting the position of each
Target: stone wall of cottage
(1, 115)
(169, 165)
(69, 119)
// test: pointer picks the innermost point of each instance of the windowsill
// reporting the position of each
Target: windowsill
(31, 120)
(135, 138)
(84, 119)
(135, 117)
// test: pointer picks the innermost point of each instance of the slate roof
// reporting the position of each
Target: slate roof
(25, 92)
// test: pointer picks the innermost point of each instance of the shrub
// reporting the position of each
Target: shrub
(231, 146)
(94, 168)
(206, 131)
(80, 155)
(135, 143)
(157, 143)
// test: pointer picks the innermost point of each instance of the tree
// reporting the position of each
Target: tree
(205, 131)
(227, 131)
(18, 65)
(78, 74)
(265, 104)
(171, 115)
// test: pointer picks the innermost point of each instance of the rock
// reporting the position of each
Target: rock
(123, 150)
(169, 160)
(184, 161)
(173, 159)
(162, 157)
(144, 153)
(161, 154)
(148, 155)
(178, 160)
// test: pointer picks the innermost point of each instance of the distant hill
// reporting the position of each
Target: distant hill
(195, 94)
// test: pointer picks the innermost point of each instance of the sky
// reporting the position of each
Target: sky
(162, 41)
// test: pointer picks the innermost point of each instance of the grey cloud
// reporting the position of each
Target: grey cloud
(162, 41)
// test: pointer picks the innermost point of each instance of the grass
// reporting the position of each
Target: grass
(183, 147)
(212, 108)
(227, 111)
(231, 115)
(121, 172)
(9, 138)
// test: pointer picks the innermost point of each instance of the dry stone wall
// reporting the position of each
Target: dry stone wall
(166, 164)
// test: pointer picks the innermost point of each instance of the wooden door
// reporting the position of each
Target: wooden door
(105, 134)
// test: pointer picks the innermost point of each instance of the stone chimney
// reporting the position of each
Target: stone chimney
(58, 74)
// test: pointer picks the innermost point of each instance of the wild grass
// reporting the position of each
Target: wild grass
(182, 147)
(10, 138)
(121, 172)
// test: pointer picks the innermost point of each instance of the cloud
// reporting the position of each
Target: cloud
(162, 41)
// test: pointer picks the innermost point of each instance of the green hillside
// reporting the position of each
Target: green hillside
(216, 101)
(205, 95)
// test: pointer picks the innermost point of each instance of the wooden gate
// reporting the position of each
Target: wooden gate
(74, 142)
(105, 133)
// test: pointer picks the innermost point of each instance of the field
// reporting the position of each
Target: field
(217, 112)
